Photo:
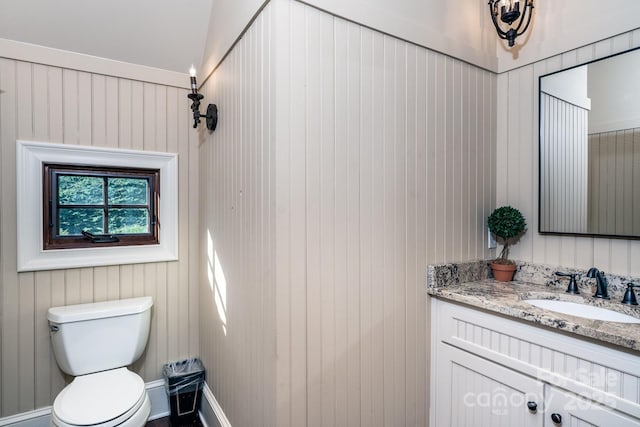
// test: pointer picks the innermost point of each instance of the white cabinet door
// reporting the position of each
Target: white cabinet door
(570, 410)
(471, 391)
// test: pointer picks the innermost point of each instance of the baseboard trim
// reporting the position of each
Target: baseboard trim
(211, 412)
(41, 417)
(159, 400)
(38, 418)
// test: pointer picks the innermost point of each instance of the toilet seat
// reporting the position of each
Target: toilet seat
(107, 398)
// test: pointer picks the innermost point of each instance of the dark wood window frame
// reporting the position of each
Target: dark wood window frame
(51, 239)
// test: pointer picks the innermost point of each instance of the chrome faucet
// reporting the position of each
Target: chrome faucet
(601, 283)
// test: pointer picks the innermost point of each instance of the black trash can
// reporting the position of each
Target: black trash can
(183, 382)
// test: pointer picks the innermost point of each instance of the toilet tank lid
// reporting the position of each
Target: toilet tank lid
(98, 310)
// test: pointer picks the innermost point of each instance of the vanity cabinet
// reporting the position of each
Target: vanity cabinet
(492, 370)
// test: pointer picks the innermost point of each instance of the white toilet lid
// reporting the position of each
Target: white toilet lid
(100, 397)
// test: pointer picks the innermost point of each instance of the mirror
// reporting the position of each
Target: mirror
(590, 149)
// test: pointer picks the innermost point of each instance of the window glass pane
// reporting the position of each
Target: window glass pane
(73, 220)
(80, 190)
(127, 191)
(128, 221)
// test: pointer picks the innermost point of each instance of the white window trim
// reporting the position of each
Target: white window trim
(30, 157)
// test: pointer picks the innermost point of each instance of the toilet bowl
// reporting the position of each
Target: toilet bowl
(95, 343)
(111, 398)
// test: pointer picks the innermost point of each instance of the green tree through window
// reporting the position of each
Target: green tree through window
(102, 201)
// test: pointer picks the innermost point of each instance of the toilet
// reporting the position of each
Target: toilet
(95, 343)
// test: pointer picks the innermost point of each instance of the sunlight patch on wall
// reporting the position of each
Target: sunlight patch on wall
(217, 282)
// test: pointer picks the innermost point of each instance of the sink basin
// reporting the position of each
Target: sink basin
(583, 310)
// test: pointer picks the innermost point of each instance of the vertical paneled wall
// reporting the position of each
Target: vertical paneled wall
(345, 161)
(51, 104)
(517, 166)
(384, 164)
(237, 291)
(614, 171)
(564, 163)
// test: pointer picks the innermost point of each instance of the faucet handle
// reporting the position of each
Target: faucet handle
(630, 296)
(573, 286)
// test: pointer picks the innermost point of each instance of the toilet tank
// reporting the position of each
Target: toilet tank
(88, 338)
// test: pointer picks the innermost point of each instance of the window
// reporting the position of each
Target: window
(99, 206)
(98, 163)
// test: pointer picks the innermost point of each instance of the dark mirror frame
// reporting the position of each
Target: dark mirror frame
(540, 153)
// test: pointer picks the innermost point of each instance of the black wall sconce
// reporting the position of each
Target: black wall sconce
(195, 97)
(509, 11)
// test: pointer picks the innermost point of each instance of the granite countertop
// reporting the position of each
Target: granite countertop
(471, 284)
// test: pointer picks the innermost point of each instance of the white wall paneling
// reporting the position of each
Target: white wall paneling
(347, 161)
(50, 104)
(564, 165)
(237, 292)
(517, 168)
(614, 171)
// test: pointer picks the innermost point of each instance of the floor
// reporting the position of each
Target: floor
(166, 422)
(186, 399)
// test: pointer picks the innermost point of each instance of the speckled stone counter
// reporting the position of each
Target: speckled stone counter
(471, 283)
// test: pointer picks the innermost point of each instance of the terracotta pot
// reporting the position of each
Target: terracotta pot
(503, 272)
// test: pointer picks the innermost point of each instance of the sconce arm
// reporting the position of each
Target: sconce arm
(528, 8)
(502, 34)
(212, 112)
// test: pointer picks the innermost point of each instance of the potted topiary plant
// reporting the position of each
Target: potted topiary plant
(507, 224)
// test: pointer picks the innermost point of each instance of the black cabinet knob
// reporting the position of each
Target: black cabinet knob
(533, 406)
(556, 418)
